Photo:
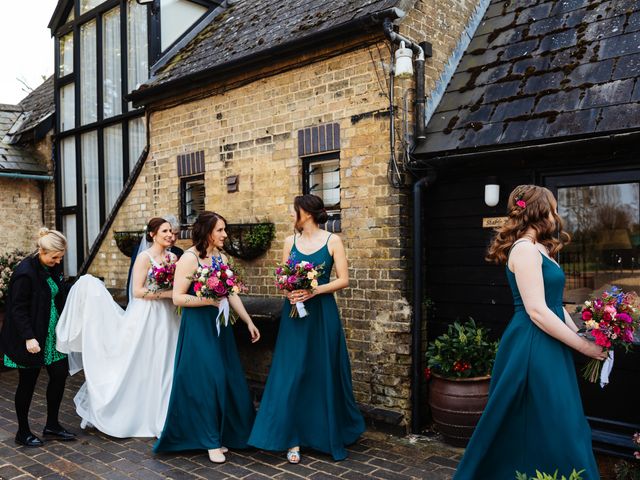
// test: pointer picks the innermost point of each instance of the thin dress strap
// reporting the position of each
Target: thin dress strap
(520, 240)
(194, 254)
(327, 242)
(150, 257)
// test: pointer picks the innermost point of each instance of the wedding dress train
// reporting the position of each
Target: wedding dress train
(127, 357)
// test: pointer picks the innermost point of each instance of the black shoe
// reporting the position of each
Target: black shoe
(28, 440)
(58, 433)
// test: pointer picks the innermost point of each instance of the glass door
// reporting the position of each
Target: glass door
(601, 212)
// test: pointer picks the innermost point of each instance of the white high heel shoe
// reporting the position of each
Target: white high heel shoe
(216, 455)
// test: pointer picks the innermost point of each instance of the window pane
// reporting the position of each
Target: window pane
(91, 188)
(324, 181)
(137, 140)
(604, 223)
(177, 16)
(71, 15)
(137, 55)
(70, 259)
(112, 83)
(86, 5)
(112, 165)
(88, 80)
(67, 107)
(193, 196)
(66, 55)
(68, 172)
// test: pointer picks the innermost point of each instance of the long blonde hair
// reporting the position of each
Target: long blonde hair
(529, 206)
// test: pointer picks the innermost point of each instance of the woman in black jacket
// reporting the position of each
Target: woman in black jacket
(35, 299)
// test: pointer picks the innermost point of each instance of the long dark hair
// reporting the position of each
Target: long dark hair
(313, 205)
(201, 231)
(153, 226)
(529, 206)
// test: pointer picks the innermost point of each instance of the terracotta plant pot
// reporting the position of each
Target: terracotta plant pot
(456, 406)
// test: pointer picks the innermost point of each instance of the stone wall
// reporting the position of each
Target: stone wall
(21, 204)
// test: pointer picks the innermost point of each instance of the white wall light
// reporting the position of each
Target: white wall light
(492, 192)
(404, 63)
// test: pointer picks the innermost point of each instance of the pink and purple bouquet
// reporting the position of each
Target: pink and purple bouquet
(302, 275)
(218, 282)
(611, 321)
(160, 277)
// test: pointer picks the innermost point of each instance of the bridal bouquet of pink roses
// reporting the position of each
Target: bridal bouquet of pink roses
(292, 276)
(217, 281)
(160, 277)
(611, 321)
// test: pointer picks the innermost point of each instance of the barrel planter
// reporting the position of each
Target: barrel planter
(456, 406)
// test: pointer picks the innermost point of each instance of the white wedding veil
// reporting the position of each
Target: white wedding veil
(144, 245)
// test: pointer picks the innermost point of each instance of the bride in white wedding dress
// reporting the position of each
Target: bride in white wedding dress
(127, 355)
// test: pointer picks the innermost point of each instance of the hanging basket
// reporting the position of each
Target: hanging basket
(128, 241)
(249, 240)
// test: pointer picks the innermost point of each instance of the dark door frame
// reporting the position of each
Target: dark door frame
(609, 436)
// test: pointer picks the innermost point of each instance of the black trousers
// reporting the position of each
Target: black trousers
(28, 377)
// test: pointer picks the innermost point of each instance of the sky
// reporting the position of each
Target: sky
(27, 46)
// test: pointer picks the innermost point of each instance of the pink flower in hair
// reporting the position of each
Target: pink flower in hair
(521, 203)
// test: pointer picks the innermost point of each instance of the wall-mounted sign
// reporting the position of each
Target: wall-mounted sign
(493, 222)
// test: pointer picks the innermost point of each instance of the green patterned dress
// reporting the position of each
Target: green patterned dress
(51, 355)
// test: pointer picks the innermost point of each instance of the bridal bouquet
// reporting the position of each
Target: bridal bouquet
(160, 277)
(292, 276)
(610, 321)
(217, 281)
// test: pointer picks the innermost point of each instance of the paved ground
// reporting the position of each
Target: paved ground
(94, 455)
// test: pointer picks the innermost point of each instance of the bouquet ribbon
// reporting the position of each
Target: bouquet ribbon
(606, 370)
(223, 311)
(302, 312)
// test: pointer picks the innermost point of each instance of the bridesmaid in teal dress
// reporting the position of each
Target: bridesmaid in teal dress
(308, 399)
(534, 418)
(210, 407)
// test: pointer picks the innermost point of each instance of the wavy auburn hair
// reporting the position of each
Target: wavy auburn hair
(539, 206)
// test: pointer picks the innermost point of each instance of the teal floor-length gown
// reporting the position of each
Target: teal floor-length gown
(308, 399)
(210, 404)
(534, 418)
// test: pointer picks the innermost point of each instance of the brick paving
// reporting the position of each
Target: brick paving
(97, 456)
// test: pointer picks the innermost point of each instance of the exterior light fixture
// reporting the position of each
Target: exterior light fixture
(404, 65)
(492, 192)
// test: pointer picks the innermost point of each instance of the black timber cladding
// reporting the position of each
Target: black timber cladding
(540, 70)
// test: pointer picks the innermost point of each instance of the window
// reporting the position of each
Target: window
(322, 178)
(192, 191)
(88, 74)
(86, 5)
(191, 198)
(137, 140)
(68, 172)
(319, 148)
(67, 107)
(112, 76)
(66, 55)
(70, 259)
(91, 188)
(113, 175)
(101, 54)
(137, 53)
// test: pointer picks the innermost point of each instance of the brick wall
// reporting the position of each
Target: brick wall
(251, 131)
(21, 204)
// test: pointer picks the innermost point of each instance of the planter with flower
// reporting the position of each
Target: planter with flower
(459, 365)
